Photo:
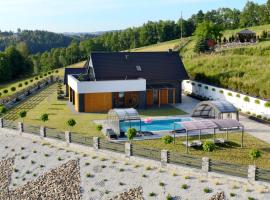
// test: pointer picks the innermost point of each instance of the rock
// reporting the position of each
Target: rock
(218, 196)
(132, 194)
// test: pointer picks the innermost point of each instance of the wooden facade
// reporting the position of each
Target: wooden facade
(165, 96)
(97, 102)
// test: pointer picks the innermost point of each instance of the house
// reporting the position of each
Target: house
(126, 79)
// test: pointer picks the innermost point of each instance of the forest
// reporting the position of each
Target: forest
(149, 33)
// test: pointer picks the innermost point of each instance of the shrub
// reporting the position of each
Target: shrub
(209, 146)
(0, 94)
(152, 194)
(20, 85)
(5, 91)
(26, 83)
(36, 78)
(257, 101)
(49, 72)
(3, 109)
(99, 127)
(71, 122)
(238, 95)
(221, 91)
(232, 194)
(267, 104)
(13, 89)
(40, 76)
(248, 112)
(131, 133)
(229, 94)
(44, 117)
(254, 154)
(207, 190)
(199, 85)
(31, 80)
(169, 197)
(167, 139)
(161, 184)
(22, 114)
(213, 89)
(184, 186)
(259, 116)
(88, 175)
(56, 71)
(246, 99)
(45, 74)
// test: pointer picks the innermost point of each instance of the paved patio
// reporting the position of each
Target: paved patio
(259, 130)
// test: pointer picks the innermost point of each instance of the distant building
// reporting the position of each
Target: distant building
(126, 79)
(246, 36)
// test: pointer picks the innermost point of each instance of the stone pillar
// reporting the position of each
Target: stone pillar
(128, 149)
(96, 143)
(1, 123)
(43, 131)
(165, 158)
(205, 164)
(252, 173)
(20, 127)
(68, 137)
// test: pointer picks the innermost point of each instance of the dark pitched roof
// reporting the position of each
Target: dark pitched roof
(69, 71)
(246, 31)
(155, 66)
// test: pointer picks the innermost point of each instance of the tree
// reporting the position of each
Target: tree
(209, 146)
(44, 117)
(22, 114)
(250, 15)
(5, 69)
(131, 133)
(71, 123)
(23, 49)
(201, 45)
(3, 109)
(254, 154)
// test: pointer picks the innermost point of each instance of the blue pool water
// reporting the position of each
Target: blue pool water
(155, 125)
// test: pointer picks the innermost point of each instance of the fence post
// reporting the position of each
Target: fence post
(20, 127)
(164, 157)
(68, 136)
(252, 173)
(1, 123)
(205, 164)
(128, 149)
(96, 143)
(43, 131)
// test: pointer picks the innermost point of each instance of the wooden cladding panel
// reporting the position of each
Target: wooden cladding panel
(76, 104)
(131, 99)
(149, 97)
(164, 95)
(97, 102)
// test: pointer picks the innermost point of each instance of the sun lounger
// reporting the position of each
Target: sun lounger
(195, 143)
(218, 141)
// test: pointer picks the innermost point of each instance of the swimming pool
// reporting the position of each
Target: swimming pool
(155, 125)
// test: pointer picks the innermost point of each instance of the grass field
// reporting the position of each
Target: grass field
(228, 153)
(15, 83)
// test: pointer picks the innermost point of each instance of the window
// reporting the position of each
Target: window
(138, 68)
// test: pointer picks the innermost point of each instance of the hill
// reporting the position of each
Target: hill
(245, 69)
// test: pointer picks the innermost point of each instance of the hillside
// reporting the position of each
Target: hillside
(244, 69)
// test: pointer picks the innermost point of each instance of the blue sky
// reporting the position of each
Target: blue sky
(99, 15)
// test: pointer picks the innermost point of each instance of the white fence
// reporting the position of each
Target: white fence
(244, 102)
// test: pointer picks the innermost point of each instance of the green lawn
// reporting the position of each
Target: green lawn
(228, 153)
(59, 112)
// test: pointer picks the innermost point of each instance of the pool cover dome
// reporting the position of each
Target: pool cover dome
(215, 109)
(117, 115)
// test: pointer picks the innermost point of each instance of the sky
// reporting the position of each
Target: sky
(99, 15)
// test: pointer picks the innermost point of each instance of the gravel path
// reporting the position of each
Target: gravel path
(104, 177)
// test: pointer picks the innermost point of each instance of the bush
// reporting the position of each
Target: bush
(20, 85)
(0, 94)
(45, 74)
(56, 71)
(267, 105)
(257, 101)
(5, 91)
(246, 99)
(169, 197)
(99, 127)
(259, 116)
(206, 87)
(22, 114)
(207, 190)
(209, 146)
(167, 139)
(229, 94)
(31, 80)
(26, 83)
(36, 78)
(71, 122)
(213, 89)
(221, 91)
(131, 133)
(238, 95)
(13, 89)
(254, 154)
(44, 117)
(3, 109)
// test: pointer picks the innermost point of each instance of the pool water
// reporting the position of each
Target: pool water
(155, 125)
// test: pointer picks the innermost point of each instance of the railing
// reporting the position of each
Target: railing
(146, 153)
(113, 146)
(185, 160)
(80, 139)
(55, 134)
(228, 168)
(263, 174)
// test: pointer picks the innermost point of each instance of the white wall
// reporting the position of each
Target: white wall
(106, 86)
(251, 106)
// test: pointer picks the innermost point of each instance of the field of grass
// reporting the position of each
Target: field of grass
(228, 153)
(15, 83)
